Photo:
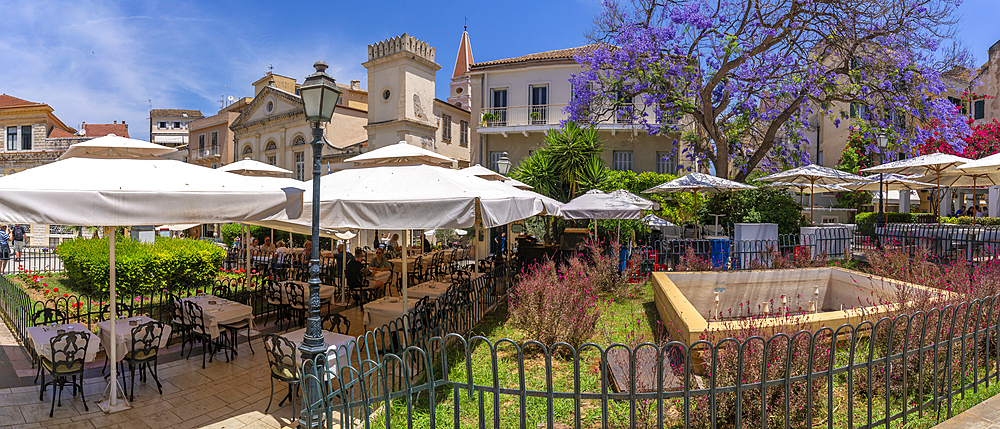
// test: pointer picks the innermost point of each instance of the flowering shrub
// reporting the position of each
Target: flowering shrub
(554, 305)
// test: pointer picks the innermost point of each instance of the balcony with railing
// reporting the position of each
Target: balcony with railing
(205, 153)
(542, 117)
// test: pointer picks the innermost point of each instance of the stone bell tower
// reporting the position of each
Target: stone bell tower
(401, 73)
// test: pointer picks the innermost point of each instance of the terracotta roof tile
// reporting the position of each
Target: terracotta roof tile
(558, 54)
(101, 130)
(159, 113)
(8, 101)
(58, 133)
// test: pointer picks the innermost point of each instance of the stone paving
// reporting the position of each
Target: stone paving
(223, 395)
(984, 415)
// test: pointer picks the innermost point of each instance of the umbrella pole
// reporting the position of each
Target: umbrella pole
(938, 178)
(696, 234)
(114, 317)
(812, 201)
(246, 247)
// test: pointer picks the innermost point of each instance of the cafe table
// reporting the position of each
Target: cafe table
(123, 330)
(42, 335)
(384, 310)
(338, 346)
(219, 311)
(430, 289)
(326, 292)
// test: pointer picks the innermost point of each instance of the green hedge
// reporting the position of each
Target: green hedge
(169, 261)
(890, 217)
(969, 220)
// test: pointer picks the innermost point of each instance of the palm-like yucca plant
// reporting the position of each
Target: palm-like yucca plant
(539, 171)
(571, 151)
(594, 174)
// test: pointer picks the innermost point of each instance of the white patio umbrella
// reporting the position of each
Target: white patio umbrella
(249, 167)
(485, 173)
(643, 203)
(804, 188)
(596, 204)
(932, 166)
(120, 182)
(890, 182)
(813, 174)
(401, 152)
(518, 184)
(695, 183)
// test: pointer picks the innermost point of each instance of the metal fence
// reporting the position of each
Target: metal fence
(36, 259)
(972, 243)
(873, 374)
(730, 254)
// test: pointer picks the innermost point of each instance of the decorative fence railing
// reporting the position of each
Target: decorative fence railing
(33, 259)
(731, 254)
(972, 243)
(881, 373)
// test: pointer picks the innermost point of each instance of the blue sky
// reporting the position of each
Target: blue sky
(100, 61)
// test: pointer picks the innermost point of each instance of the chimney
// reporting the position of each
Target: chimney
(355, 84)
(116, 122)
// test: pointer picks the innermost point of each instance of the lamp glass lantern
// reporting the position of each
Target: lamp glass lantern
(319, 94)
(503, 164)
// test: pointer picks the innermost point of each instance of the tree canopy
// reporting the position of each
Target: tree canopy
(751, 74)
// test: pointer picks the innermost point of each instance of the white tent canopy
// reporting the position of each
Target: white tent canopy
(177, 227)
(249, 167)
(932, 166)
(596, 204)
(518, 184)
(401, 152)
(656, 221)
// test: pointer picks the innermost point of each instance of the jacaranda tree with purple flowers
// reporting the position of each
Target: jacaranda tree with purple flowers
(750, 74)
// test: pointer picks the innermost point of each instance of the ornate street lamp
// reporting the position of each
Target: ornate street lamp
(503, 164)
(319, 97)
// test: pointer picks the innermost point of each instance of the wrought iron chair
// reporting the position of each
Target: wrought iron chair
(143, 351)
(282, 362)
(45, 316)
(175, 310)
(297, 305)
(199, 330)
(335, 322)
(272, 294)
(69, 351)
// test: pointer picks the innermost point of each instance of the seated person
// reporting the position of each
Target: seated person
(254, 245)
(267, 246)
(379, 262)
(394, 243)
(960, 212)
(340, 254)
(306, 253)
(280, 247)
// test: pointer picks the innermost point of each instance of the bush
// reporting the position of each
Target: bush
(890, 217)
(139, 266)
(556, 305)
(762, 205)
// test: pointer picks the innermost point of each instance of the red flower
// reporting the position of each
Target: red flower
(55, 289)
(46, 291)
(65, 295)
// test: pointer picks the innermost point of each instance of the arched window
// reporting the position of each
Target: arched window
(299, 140)
(271, 146)
(247, 149)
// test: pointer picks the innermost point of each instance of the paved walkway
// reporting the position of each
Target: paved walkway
(984, 415)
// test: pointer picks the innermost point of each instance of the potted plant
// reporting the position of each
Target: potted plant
(488, 116)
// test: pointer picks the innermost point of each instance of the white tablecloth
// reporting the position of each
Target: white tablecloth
(342, 344)
(223, 312)
(326, 292)
(123, 330)
(383, 310)
(41, 335)
(428, 289)
(382, 276)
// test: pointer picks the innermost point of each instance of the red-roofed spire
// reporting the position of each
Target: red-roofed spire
(464, 57)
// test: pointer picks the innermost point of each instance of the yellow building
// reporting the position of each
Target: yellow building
(272, 127)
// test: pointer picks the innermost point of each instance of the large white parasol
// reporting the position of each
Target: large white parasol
(932, 166)
(694, 183)
(813, 175)
(249, 167)
(113, 181)
(401, 152)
